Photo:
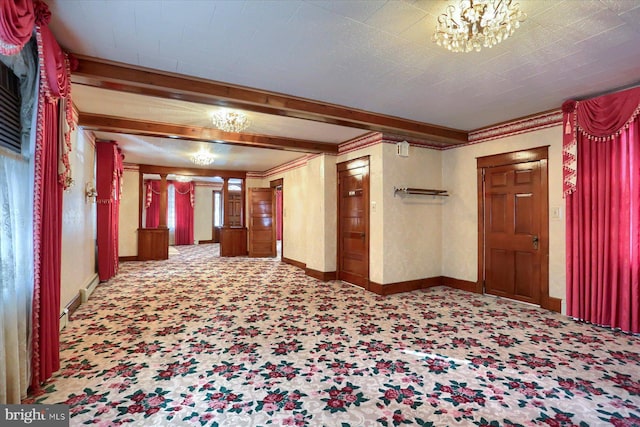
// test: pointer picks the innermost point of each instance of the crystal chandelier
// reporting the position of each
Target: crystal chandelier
(230, 121)
(477, 24)
(202, 157)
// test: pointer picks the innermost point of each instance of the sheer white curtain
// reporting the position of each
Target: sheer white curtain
(16, 276)
(16, 238)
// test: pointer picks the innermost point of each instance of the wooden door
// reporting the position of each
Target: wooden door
(353, 222)
(513, 230)
(262, 227)
(235, 209)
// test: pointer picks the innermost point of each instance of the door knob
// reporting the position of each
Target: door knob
(535, 242)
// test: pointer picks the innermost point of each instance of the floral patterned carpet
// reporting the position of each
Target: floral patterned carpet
(199, 340)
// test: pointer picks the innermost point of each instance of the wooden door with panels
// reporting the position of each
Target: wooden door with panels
(262, 227)
(353, 222)
(234, 204)
(513, 223)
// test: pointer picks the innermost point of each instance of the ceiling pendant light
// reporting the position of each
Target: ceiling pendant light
(476, 24)
(202, 157)
(230, 121)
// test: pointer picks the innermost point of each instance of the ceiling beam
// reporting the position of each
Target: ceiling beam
(99, 122)
(123, 77)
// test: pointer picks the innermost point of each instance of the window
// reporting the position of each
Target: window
(171, 207)
(217, 209)
(9, 109)
(235, 202)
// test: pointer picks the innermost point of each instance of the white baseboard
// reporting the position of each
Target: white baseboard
(88, 289)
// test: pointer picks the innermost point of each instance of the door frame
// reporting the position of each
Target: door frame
(347, 165)
(540, 154)
(275, 184)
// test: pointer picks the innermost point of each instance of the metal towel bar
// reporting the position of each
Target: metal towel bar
(419, 191)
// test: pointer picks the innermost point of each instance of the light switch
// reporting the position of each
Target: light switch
(373, 206)
(556, 212)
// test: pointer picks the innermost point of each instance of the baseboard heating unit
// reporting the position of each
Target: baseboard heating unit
(86, 292)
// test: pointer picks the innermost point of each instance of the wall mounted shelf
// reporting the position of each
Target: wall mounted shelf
(419, 191)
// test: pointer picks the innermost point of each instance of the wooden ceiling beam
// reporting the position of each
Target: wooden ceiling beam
(117, 76)
(99, 122)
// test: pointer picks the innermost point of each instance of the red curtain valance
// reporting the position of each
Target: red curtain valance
(152, 204)
(601, 119)
(185, 188)
(55, 83)
(54, 65)
(17, 20)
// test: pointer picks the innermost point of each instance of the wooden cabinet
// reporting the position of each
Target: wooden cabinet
(216, 234)
(153, 243)
(233, 241)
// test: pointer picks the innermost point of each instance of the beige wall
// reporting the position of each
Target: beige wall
(412, 223)
(78, 222)
(309, 211)
(203, 213)
(460, 213)
(411, 237)
(294, 211)
(128, 226)
(405, 232)
(321, 213)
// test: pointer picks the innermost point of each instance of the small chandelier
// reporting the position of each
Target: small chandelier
(230, 121)
(477, 24)
(202, 157)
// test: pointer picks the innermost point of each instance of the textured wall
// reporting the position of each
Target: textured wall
(330, 213)
(321, 213)
(412, 223)
(128, 228)
(296, 202)
(460, 216)
(78, 221)
(309, 211)
(296, 196)
(203, 213)
(314, 214)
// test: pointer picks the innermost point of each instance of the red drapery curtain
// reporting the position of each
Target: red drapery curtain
(152, 203)
(601, 156)
(184, 199)
(51, 176)
(108, 184)
(17, 20)
(47, 248)
(278, 214)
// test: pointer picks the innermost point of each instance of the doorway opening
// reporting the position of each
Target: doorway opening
(278, 186)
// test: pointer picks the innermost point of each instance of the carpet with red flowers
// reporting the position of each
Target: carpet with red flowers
(208, 341)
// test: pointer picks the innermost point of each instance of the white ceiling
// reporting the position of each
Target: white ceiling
(112, 103)
(372, 55)
(170, 152)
